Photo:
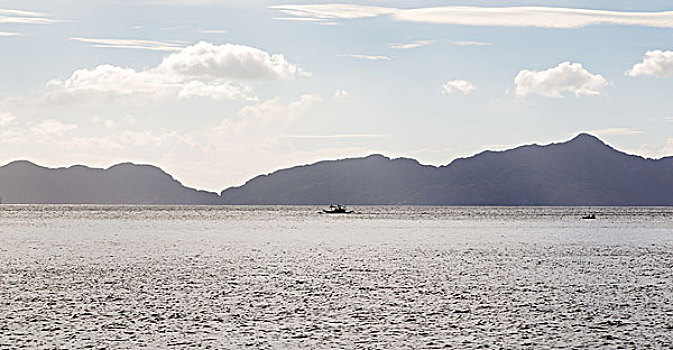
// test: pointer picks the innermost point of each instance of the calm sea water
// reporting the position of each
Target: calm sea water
(288, 277)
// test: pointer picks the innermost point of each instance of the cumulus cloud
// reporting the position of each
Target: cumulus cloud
(108, 78)
(412, 45)
(216, 91)
(656, 63)
(137, 44)
(543, 17)
(456, 86)
(555, 82)
(201, 70)
(228, 61)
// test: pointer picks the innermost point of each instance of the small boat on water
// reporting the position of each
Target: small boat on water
(337, 209)
(589, 217)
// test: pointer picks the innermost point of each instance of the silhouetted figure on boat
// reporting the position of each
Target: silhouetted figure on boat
(337, 209)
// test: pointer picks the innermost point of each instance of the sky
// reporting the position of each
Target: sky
(216, 92)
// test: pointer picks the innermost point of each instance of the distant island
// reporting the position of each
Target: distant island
(581, 171)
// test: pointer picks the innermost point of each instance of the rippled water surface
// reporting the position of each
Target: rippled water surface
(288, 277)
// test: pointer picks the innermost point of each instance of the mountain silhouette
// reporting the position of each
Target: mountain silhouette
(126, 183)
(581, 171)
(375, 179)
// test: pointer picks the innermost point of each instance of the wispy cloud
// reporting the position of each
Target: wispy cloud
(471, 43)
(412, 45)
(24, 17)
(333, 11)
(20, 13)
(213, 31)
(532, 16)
(299, 19)
(669, 119)
(137, 44)
(615, 132)
(367, 57)
(337, 136)
(9, 34)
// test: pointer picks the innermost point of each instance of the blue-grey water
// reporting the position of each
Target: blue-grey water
(288, 277)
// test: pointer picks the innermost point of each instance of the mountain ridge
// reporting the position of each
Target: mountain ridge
(581, 171)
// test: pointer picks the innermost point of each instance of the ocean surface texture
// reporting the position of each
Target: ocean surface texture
(288, 277)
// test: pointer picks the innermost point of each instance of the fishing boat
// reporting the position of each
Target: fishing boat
(589, 217)
(337, 209)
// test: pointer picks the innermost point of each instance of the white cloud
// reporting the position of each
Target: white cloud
(301, 19)
(106, 123)
(656, 63)
(554, 82)
(471, 43)
(6, 118)
(24, 17)
(337, 136)
(201, 70)
(9, 34)
(50, 127)
(412, 45)
(108, 78)
(20, 13)
(341, 94)
(275, 110)
(669, 119)
(457, 86)
(98, 144)
(367, 57)
(137, 44)
(145, 138)
(228, 61)
(615, 132)
(656, 151)
(216, 91)
(333, 11)
(543, 17)
(213, 31)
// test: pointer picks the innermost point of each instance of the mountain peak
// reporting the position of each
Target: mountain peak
(584, 137)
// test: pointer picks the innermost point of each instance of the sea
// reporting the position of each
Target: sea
(289, 277)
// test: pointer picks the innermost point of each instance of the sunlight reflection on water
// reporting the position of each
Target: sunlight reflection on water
(288, 277)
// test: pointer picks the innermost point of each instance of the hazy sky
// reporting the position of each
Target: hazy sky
(216, 92)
